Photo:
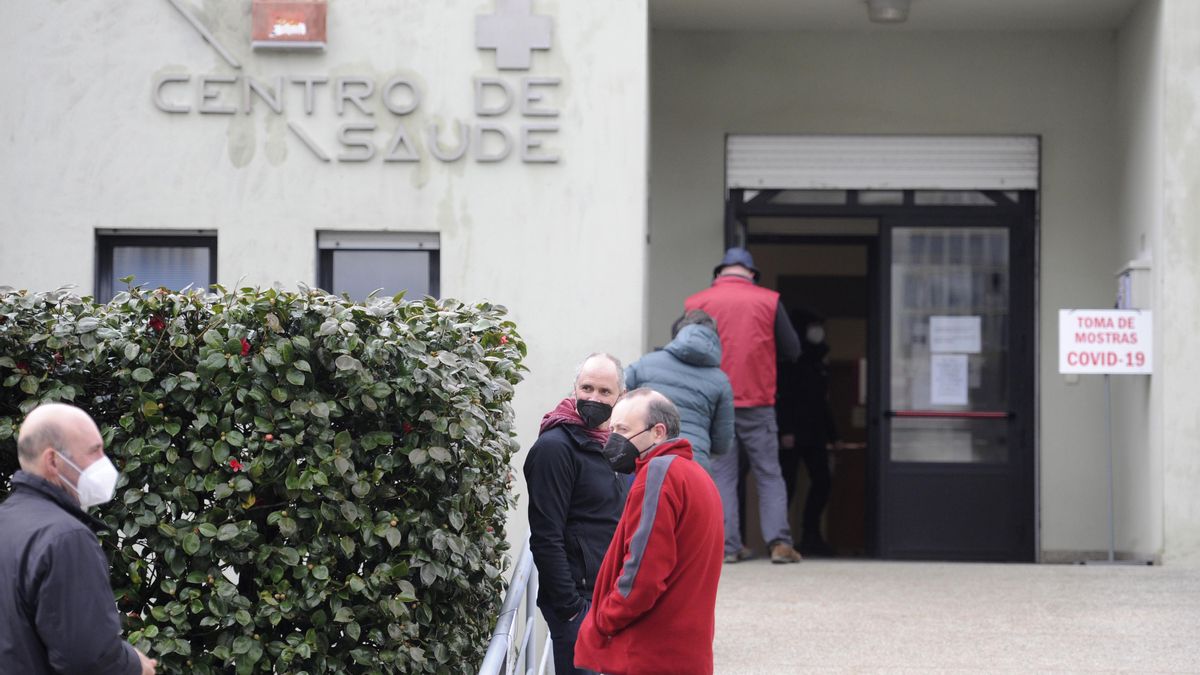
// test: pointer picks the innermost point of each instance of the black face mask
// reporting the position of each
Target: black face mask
(621, 453)
(594, 413)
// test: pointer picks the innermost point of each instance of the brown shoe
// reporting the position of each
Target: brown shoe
(782, 553)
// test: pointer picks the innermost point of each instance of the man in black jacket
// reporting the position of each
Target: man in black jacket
(575, 501)
(57, 613)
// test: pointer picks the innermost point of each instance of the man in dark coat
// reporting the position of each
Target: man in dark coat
(57, 613)
(575, 501)
(807, 431)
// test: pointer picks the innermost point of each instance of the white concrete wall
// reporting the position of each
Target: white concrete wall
(1178, 302)
(1058, 85)
(560, 244)
(1137, 409)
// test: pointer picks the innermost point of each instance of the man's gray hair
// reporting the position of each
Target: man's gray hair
(659, 410)
(34, 438)
(616, 364)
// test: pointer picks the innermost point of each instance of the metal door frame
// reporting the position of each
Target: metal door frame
(1019, 215)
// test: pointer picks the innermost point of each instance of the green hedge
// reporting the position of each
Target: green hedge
(307, 484)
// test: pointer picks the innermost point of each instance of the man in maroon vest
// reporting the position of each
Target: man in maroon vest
(755, 334)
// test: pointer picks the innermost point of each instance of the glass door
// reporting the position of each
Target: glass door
(956, 455)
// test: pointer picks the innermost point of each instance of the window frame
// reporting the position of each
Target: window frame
(107, 241)
(425, 242)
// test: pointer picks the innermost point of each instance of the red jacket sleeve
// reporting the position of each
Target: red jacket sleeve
(647, 552)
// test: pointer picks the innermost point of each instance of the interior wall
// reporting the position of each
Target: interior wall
(1056, 85)
(846, 337)
(1137, 447)
(829, 260)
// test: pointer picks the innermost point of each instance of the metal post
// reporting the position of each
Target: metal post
(531, 593)
(1112, 527)
(1112, 510)
(500, 657)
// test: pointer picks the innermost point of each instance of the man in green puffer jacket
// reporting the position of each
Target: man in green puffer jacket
(688, 371)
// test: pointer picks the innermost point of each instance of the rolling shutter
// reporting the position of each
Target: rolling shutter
(790, 162)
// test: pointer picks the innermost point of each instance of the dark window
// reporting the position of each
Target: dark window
(359, 263)
(154, 261)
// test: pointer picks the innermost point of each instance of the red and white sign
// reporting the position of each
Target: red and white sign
(1105, 342)
(288, 24)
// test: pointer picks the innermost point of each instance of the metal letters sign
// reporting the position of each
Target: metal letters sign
(513, 31)
(1105, 342)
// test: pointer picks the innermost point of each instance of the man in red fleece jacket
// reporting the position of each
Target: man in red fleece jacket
(656, 593)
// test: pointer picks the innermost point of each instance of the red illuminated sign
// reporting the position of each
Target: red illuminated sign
(289, 24)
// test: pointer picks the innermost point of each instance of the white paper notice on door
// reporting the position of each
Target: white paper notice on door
(957, 334)
(949, 377)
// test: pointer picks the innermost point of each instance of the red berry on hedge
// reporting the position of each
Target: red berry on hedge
(245, 347)
(234, 464)
(157, 324)
(268, 438)
(407, 427)
(503, 339)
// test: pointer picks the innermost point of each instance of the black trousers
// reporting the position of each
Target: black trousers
(563, 635)
(816, 462)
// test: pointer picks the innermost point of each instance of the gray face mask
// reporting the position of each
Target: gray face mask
(97, 484)
(815, 334)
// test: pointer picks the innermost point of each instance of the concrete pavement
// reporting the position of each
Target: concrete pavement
(870, 616)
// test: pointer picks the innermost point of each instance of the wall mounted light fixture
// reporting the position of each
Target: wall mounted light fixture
(888, 11)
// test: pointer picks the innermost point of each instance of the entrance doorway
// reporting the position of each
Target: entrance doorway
(928, 300)
(824, 281)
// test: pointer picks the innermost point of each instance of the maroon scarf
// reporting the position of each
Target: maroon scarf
(566, 414)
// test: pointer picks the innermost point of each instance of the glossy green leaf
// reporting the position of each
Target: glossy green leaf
(191, 543)
(372, 443)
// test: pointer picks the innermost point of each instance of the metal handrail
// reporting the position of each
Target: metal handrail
(504, 654)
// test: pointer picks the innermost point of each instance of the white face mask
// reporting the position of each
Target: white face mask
(815, 334)
(97, 484)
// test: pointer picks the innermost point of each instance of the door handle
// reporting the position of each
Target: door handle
(953, 414)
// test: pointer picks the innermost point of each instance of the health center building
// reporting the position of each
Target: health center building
(938, 179)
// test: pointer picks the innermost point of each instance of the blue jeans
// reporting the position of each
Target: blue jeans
(563, 635)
